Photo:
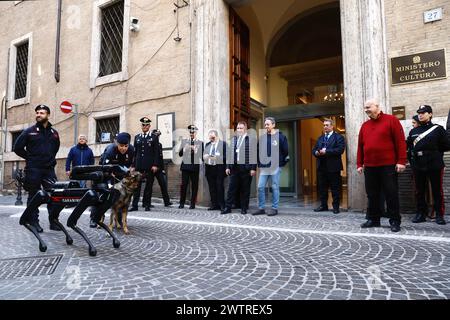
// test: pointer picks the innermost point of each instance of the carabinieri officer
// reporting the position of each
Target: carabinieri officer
(427, 143)
(146, 147)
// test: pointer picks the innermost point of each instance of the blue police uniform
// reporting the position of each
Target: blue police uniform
(38, 145)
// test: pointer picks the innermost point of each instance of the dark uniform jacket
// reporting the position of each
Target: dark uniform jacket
(191, 160)
(111, 155)
(160, 158)
(38, 146)
(248, 148)
(428, 153)
(331, 161)
(146, 151)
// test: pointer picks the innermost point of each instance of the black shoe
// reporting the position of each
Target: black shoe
(92, 224)
(243, 211)
(147, 208)
(37, 226)
(192, 206)
(371, 224)
(133, 209)
(273, 212)
(225, 211)
(395, 226)
(320, 208)
(168, 204)
(213, 208)
(336, 210)
(181, 206)
(259, 212)
(440, 220)
(54, 227)
(419, 218)
(151, 206)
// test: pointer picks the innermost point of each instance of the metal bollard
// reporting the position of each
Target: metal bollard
(19, 179)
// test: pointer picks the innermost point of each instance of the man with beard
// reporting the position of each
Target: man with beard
(38, 145)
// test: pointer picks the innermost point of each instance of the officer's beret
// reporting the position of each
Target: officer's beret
(123, 138)
(42, 107)
(145, 120)
(156, 132)
(424, 108)
(192, 128)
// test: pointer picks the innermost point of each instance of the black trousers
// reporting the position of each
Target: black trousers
(187, 176)
(147, 190)
(34, 179)
(239, 179)
(377, 179)
(436, 181)
(162, 181)
(215, 175)
(329, 180)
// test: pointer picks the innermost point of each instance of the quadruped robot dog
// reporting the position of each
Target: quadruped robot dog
(101, 196)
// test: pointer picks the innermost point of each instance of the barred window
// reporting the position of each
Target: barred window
(21, 71)
(111, 38)
(14, 136)
(107, 129)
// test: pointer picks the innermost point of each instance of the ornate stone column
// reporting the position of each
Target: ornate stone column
(365, 76)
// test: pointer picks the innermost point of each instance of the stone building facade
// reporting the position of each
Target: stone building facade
(212, 63)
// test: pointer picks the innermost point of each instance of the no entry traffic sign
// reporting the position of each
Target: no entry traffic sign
(66, 107)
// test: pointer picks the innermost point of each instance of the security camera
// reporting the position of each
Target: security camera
(134, 26)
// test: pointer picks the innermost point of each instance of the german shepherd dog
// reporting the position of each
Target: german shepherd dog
(126, 189)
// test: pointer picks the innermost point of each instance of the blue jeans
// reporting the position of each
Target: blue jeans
(263, 178)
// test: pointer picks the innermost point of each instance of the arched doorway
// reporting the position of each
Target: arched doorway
(296, 74)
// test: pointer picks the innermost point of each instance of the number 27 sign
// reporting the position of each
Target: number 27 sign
(432, 15)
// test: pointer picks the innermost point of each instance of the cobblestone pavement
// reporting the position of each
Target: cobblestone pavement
(199, 254)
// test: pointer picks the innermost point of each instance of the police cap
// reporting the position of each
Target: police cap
(424, 108)
(145, 120)
(42, 107)
(192, 128)
(123, 138)
(156, 132)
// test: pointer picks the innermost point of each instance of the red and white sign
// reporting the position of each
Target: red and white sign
(66, 107)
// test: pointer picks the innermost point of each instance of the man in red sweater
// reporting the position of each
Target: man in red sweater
(381, 155)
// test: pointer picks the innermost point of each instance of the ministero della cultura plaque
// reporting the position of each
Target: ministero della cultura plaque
(424, 66)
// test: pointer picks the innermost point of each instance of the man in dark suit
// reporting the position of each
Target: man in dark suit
(145, 161)
(215, 160)
(241, 165)
(328, 151)
(192, 152)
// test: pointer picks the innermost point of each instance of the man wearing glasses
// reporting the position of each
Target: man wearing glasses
(145, 161)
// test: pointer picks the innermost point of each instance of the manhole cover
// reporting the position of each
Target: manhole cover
(28, 266)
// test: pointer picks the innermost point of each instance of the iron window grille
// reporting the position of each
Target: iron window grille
(20, 90)
(14, 136)
(107, 129)
(111, 38)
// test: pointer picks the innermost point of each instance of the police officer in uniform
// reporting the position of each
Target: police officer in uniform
(38, 145)
(427, 143)
(146, 155)
(121, 153)
(192, 152)
(160, 174)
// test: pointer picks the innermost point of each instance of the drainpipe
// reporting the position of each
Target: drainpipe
(58, 38)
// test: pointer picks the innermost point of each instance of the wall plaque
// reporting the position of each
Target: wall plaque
(399, 112)
(418, 67)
